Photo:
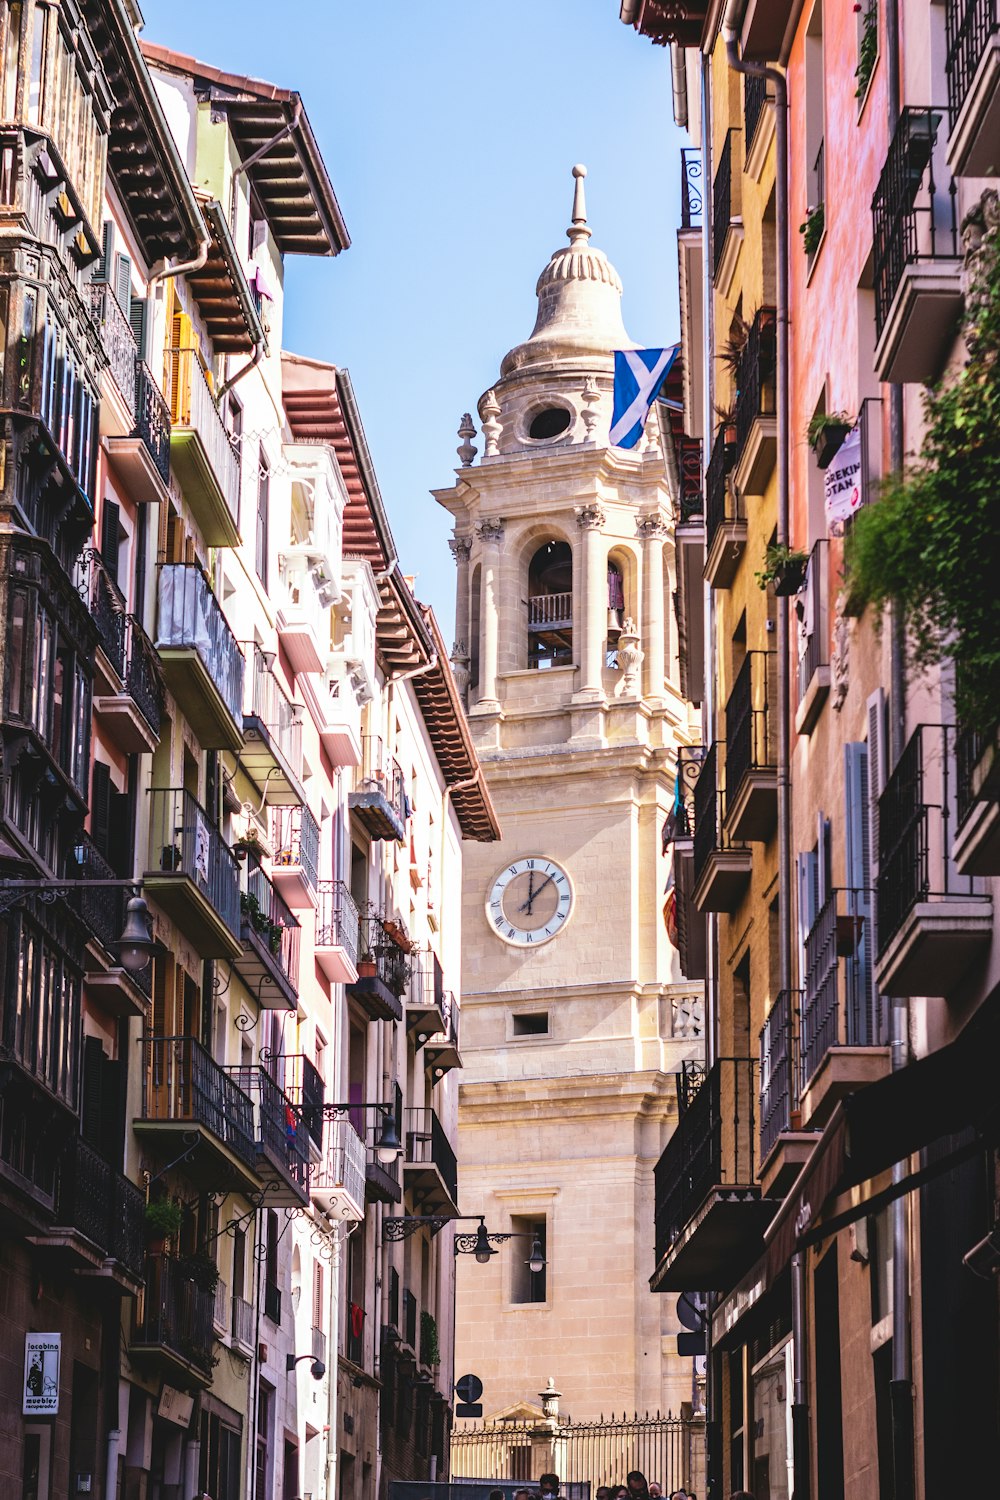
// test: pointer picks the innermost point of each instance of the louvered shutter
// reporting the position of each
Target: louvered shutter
(106, 258)
(110, 529)
(857, 814)
(876, 782)
(123, 283)
(807, 869)
(91, 1127)
(317, 1307)
(138, 313)
(100, 806)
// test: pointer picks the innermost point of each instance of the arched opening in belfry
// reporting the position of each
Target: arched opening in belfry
(550, 606)
(475, 625)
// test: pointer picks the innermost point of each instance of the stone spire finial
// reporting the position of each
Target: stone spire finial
(467, 449)
(579, 233)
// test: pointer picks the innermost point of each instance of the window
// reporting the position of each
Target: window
(535, 1023)
(263, 499)
(815, 207)
(527, 1285)
(272, 1292)
(550, 606)
(548, 424)
(475, 625)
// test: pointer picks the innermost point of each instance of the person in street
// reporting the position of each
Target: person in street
(548, 1486)
(636, 1486)
(496, 1495)
(655, 1493)
(621, 1493)
(602, 1492)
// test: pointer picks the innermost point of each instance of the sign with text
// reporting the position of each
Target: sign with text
(842, 483)
(41, 1374)
(175, 1406)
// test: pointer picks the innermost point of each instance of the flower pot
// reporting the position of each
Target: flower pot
(789, 577)
(366, 968)
(795, 1119)
(829, 441)
(155, 1245)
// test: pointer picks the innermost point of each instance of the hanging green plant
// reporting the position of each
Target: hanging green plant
(430, 1351)
(929, 542)
(868, 51)
(164, 1218)
(784, 567)
(811, 229)
(826, 433)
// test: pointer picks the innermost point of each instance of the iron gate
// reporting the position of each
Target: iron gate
(669, 1449)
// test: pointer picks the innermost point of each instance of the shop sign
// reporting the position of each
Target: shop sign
(41, 1374)
(175, 1406)
(842, 483)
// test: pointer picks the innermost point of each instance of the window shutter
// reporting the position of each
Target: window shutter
(806, 865)
(857, 831)
(120, 834)
(109, 537)
(123, 283)
(100, 806)
(317, 1307)
(112, 1143)
(93, 1084)
(137, 315)
(106, 259)
(824, 862)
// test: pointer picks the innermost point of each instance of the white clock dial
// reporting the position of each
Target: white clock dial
(529, 901)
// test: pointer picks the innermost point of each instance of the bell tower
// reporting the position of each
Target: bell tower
(574, 1014)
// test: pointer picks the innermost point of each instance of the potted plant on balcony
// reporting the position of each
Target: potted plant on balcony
(811, 228)
(430, 1349)
(784, 569)
(163, 1218)
(726, 424)
(200, 1268)
(826, 434)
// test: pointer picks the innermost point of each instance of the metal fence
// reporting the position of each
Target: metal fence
(665, 1448)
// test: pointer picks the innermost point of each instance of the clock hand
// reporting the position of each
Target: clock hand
(545, 882)
(526, 905)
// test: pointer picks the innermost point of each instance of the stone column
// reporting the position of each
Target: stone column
(593, 594)
(653, 529)
(461, 546)
(490, 534)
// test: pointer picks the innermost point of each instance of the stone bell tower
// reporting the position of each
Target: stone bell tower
(573, 1011)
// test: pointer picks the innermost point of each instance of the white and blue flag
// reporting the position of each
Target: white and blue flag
(639, 374)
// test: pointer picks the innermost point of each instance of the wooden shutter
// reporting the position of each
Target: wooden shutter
(110, 528)
(100, 806)
(876, 781)
(106, 259)
(137, 316)
(123, 283)
(857, 833)
(807, 872)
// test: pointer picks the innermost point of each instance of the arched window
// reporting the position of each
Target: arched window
(475, 626)
(616, 610)
(550, 606)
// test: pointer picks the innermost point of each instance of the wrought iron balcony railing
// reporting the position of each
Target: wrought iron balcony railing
(265, 701)
(722, 199)
(749, 734)
(190, 618)
(969, 26)
(343, 1163)
(107, 606)
(338, 921)
(242, 1325)
(192, 407)
(267, 919)
(714, 1145)
(721, 504)
(428, 1145)
(756, 378)
(152, 419)
(916, 816)
(680, 822)
(914, 207)
(380, 799)
(117, 338)
(838, 1001)
(183, 840)
(183, 1083)
(692, 490)
(175, 1314)
(754, 100)
(707, 804)
(98, 1201)
(295, 840)
(970, 746)
(691, 187)
(280, 1131)
(778, 1069)
(142, 676)
(102, 907)
(814, 631)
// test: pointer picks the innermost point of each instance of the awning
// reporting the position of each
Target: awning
(947, 1092)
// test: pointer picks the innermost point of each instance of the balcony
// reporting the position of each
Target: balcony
(425, 1002)
(202, 664)
(380, 803)
(751, 750)
(338, 1182)
(193, 875)
(756, 406)
(241, 1327)
(765, 33)
(295, 866)
(383, 973)
(269, 961)
(678, 832)
(689, 542)
(813, 610)
(281, 1137)
(337, 932)
(142, 456)
(132, 713)
(193, 1110)
(976, 850)
(727, 225)
(721, 866)
(933, 922)
(118, 384)
(441, 1050)
(973, 69)
(102, 909)
(784, 1146)
(917, 268)
(691, 188)
(335, 702)
(201, 453)
(174, 1324)
(725, 519)
(710, 1216)
(382, 1179)
(841, 1041)
(755, 100)
(303, 620)
(430, 1171)
(99, 1225)
(272, 733)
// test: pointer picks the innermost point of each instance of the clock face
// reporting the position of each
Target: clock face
(529, 901)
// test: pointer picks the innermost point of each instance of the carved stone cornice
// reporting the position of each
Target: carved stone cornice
(590, 517)
(651, 527)
(460, 547)
(490, 529)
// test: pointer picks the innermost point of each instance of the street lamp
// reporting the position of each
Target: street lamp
(478, 1243)
(317, 1369)
(136, 945)
(387, 1144)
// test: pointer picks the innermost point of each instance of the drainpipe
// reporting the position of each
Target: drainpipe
(227, 385)
(184, 267)
(678, 77)
(111, 1470)
(800, 1408)
(901, 1384)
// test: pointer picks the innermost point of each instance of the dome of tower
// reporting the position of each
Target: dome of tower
(579, 300)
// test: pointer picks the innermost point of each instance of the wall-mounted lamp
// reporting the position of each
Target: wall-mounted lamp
(136, 945)
(387, 1144)
(479, 1243)
(317, 1369)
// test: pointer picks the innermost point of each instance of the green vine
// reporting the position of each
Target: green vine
(929, 543)
(430, 1352)
(868, 51)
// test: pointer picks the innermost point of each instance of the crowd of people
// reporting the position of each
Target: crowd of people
(635, 1487)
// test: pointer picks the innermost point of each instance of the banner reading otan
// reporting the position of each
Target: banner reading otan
(41, 1374)
(842, 483)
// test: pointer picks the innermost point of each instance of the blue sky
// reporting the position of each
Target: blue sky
(449, 131)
